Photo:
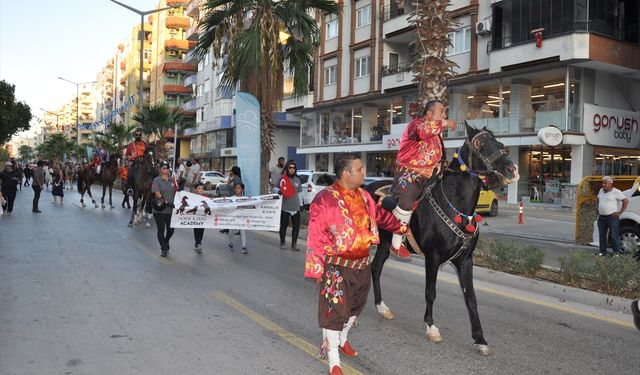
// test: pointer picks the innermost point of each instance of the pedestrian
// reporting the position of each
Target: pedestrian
(198, 233)
(342, 227)
(27, 175)
(419, 154)
(57, 181)
(611, 204)
(181, 173)
(123, 173)
(10, 179)
(36, 185)
(289, 186)
(47, 175)
(239, 192)
(234, 178)
(274, 174)
(162, 204)
(187, 170)
(193, 175)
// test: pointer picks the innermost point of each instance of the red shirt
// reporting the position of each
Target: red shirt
(420, 147)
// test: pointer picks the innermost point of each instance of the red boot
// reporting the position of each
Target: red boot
(347, 350)
(401, 253)
(336, 370)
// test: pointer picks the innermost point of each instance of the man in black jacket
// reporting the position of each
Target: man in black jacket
(10, 180)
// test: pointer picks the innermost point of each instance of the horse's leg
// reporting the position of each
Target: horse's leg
(382, 254)
(104, 191)
(82, 197)
(465, 276)
(133, 212)
(147, 208)
(431, 267)
(110, 195)
(95, 204)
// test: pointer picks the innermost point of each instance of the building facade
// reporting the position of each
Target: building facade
(522, 66)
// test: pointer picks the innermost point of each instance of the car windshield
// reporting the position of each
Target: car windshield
(323, 179)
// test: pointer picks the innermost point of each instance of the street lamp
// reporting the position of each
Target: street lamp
(55, 114)
(141, 36)
(77, 102)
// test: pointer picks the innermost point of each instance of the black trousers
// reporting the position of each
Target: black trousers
(10, 196)
(163, 223)
(36, 196)
(198, 233)
(284, 223)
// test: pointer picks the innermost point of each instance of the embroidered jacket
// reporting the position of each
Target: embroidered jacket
(135, 150)
(420, 148)
(342, 227)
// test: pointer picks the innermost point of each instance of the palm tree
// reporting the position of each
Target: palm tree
(26, 153)
(55, 147)
(257, 39)
(157, 120)
(433, 69)
(115, 137)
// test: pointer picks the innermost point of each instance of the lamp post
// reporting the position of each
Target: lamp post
(141, 37)
(77, 102)
(55, 114)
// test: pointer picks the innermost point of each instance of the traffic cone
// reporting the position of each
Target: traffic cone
(521, 214)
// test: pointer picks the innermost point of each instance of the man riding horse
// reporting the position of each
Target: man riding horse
(99, 158)
(135, 153)
(418, 157)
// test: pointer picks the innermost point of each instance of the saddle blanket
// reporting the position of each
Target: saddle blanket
(252, 213)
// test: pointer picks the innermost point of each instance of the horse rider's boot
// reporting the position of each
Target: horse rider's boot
(397, 244)
(98, 169)
(332, 340)
(345, 347)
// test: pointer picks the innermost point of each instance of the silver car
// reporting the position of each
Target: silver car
(312, 183)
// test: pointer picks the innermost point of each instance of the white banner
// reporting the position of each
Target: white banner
(253, 213)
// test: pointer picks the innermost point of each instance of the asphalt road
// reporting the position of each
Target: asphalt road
(80, 293)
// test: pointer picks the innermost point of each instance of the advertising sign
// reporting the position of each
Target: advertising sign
(612, 127)
(550, 136)
(248, 141)
(252, 213)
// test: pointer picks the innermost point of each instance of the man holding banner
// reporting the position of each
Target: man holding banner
(342, 227)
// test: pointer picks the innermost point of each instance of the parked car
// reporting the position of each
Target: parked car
(223, 189)
(312, 183)
(629, 223)
(211, 179)
(487, 203)
(370, 180)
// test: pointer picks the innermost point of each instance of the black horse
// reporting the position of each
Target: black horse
(108, 176)
(444, 223)
(144, 171)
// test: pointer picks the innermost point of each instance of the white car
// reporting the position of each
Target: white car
(312, 183)
(211, 179)
(629, 223)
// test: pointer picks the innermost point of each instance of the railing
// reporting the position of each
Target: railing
(392, 10)
(387, 70)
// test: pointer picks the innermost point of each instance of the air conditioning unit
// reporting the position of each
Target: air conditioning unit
(483, 27)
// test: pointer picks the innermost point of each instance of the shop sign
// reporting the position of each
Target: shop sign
(552, 186)
(550, 136)
(612, 127)
(392, 142)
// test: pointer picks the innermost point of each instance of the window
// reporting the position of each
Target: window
(199, 90)
(199, 114)
(363, 16)
(207, 86)
(362, 67)
(330, 75)
(170, 97)
(460, 41)
(332, 26)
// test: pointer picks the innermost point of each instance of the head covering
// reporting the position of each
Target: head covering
(164, 164)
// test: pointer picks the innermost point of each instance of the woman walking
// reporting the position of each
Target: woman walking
(198, 233)
(57, 181)
(290, 185)
(235, 177)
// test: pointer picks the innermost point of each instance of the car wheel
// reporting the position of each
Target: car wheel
(493, 211)
(207, 186)
(630, 240)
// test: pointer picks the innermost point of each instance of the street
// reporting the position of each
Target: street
(80, 293)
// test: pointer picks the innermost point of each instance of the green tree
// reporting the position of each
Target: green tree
(4, 154)
(157, 120)
(14, 116)
(432, 67)
(115, 136)
(260, 39)
(26, 153)
(55, 147)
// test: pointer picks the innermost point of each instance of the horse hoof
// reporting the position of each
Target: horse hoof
(433, 334)
(148, 225)
(84, 205)
(482, 349)
(103, 206)
(387, 315)
(130, 225)
(112, 207)
(384, 311)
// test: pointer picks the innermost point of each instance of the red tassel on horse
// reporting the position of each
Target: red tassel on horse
(470, 228)
(477, 218)
(457, 219)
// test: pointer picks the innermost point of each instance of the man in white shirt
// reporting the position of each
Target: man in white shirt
(193, 176)
(611, 204)
(181, 173)
(274, 174)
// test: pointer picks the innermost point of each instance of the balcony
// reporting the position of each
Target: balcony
(177, 90)
(396, 76)
(193, 9)
(179, 44)
(172, 3)
(177, 22)
(192, 32)
(395, 18)
(176, 66)
(191, 80)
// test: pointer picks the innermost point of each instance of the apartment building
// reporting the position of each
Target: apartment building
(105, 90)
(522, 66)
(170, 67)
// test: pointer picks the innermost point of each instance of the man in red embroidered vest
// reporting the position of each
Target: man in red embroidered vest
(418, 157)
(135, 153)
(342, 227)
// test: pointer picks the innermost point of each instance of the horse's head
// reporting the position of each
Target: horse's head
(483, 154)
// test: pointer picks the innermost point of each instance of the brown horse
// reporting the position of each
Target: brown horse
(86, 177)
(108, 177)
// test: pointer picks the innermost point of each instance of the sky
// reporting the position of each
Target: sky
(41, 40)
